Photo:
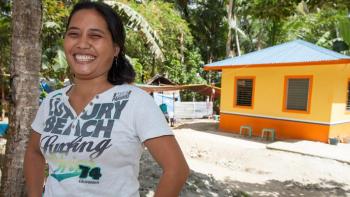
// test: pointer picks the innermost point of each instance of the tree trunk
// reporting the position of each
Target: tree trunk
(153, 69)
(2, 84)
(229, 51)
(2, 80)
(182, 48)
(24, 75)
(273, 32)
(210, 60)
(236, 38)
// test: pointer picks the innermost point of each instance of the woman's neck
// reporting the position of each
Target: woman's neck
(88, 88)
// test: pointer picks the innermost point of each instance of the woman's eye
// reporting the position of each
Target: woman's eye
(96, 36)
(72, 34)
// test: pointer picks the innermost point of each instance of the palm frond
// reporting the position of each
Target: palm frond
(137, 22)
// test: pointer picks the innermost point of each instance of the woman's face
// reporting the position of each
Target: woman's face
(88, 45)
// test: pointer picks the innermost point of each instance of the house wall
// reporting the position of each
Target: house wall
(284, 129)
(267, 110)
(341, 131)
(340, 92)
(340, 117)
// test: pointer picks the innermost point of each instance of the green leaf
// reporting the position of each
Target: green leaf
(60, 61)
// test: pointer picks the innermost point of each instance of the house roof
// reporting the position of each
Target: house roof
(297, 52)
(203, 89)
(160, 80)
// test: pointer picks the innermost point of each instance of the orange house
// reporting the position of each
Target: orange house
(299, 89)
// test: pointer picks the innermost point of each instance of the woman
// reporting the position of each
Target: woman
(91, 133)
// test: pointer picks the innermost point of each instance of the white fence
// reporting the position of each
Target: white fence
(193, 109)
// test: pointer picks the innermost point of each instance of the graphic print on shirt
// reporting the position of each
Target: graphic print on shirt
(86, 170)
(89, 134)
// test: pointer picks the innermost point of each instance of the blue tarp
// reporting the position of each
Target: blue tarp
(45, 87)
(3, 128)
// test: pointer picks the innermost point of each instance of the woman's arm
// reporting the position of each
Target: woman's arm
(166, 151)
(34, 166)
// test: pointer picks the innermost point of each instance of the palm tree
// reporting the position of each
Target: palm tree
(24, 74)
(229, 51)
(231, 8)
(135, 21)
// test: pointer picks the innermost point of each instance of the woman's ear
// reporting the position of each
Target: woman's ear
(117, 49)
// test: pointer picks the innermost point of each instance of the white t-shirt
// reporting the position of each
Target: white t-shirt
(97, 152)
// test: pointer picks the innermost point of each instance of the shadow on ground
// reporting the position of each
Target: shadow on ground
(200, 126)
(199, 184)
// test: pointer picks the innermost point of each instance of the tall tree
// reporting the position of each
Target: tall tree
(182, 6)
(324, 32)
(24, 74)
(209, 27)
(229, 51)
(274, 13)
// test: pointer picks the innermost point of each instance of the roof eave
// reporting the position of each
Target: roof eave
(324, 62)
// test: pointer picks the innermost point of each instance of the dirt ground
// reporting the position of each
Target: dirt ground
(225, 164)
(228, 165)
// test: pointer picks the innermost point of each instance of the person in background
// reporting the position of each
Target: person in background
(164, 108)
(91, 133)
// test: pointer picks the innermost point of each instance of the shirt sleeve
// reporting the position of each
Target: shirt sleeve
(38, 123)
(149, 120)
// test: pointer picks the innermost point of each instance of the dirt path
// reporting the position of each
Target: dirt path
(228, 165)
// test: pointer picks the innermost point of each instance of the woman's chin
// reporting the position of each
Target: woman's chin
(89, 76)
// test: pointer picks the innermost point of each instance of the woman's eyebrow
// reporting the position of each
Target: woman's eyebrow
(73, 28)
(97, 30)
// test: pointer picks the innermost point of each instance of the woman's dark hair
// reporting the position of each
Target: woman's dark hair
(121, 70)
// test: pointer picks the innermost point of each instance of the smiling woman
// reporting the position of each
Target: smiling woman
(92, 133)
(88, 46)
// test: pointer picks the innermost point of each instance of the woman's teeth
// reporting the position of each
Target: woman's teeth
(84, 58)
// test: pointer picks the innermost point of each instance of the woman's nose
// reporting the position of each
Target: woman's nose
(83, 43)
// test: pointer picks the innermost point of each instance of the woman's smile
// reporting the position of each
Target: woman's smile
(83, 59)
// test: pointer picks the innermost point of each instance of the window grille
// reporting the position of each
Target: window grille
(298, 94)
(244, 92)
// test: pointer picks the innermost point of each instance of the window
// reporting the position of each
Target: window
(244, 92)
(348, 101)
(298, 93)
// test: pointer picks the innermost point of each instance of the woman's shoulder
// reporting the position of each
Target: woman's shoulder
(134, 90)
